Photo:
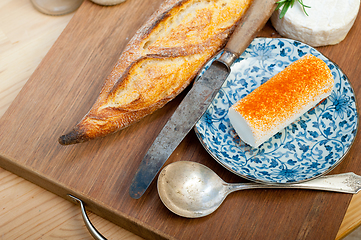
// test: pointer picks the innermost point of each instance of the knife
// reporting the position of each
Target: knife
(196, 102)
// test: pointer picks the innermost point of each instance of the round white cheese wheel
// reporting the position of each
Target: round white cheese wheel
(327, 23)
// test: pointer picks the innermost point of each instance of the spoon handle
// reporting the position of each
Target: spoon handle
(345, 182)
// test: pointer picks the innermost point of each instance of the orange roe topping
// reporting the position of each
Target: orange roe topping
(286, 94)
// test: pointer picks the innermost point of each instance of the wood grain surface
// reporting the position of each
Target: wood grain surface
(100, 172)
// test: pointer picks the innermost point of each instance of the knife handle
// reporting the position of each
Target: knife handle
(255, 18)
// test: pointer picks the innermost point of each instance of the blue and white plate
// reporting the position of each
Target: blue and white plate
(310, 147)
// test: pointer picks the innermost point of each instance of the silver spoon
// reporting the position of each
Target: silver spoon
(192, 190)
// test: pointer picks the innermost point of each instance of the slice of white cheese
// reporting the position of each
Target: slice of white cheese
(281, 100)
(327, 23)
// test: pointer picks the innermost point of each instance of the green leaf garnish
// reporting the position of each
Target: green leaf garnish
(286, 4)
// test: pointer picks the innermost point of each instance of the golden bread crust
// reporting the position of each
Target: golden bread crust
(159, 62)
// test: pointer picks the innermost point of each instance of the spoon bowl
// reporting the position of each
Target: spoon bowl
(192, 190)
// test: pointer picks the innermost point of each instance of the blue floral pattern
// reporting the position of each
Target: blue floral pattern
(309, 147)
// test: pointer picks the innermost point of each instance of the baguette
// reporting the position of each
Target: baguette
(158, 63)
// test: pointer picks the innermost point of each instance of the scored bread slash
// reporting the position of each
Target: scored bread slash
(281, 100)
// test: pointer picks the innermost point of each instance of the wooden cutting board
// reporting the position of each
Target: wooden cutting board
(64, 87)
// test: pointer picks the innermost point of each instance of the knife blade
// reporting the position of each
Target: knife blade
(196, 102)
